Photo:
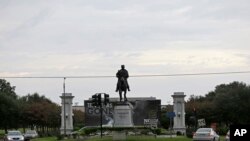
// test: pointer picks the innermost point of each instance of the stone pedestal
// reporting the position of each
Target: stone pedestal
(179, 109)
(123, 115)
(66, 114)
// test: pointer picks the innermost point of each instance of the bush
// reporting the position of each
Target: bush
(2, 135)
(59, 137)
(190, 132)
(178, 133)
(222, 130)
(90, 130)
(156, 131)
(144, 131)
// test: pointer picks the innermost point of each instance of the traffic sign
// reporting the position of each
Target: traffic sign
(201, 122)
(171, 114)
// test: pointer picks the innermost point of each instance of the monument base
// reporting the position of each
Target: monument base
(123, 115)
(67, 131)
(182, 130)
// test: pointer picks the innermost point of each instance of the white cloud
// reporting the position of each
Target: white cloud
(194, 59)
(14, 74)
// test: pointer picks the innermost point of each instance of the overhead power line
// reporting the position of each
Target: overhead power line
(146, 75)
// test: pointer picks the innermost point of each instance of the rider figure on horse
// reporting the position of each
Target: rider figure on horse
(122, 73)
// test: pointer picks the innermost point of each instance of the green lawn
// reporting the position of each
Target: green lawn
(45, 139)
(130, 138)
(143, 138)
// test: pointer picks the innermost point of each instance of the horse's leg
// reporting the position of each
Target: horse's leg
(120, 93)
(125, 97)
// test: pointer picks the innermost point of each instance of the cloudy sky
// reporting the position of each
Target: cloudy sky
(94, 37)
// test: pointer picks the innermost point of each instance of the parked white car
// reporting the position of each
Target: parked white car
(30, 134)
(14, 136)
(205, 134)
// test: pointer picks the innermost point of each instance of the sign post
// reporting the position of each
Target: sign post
(171, 115)
(152, 123)
(201, 122)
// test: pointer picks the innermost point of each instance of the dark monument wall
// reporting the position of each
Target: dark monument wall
(143, 109)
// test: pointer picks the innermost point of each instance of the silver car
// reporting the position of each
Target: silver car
(14, 136)
(30, 134)
(205, 134)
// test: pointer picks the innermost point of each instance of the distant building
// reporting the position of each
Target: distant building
(80, 108)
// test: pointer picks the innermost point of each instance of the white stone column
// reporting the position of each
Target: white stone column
(67, 121)
(179, 109)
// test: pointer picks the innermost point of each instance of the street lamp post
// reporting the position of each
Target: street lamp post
(64, 108)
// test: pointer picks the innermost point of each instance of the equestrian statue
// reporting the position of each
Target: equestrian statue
(122, 84)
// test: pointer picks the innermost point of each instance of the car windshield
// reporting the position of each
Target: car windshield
(204, 130)
(14, 133)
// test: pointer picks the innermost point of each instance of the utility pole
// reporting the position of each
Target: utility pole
(100, 102)
(64, 108)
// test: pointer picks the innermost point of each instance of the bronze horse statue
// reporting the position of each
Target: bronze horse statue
(122, 87)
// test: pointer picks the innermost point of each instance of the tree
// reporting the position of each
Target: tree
(233, 101)
(39, 111)
(7, 89)
(8, 106)
(164, 119)
(78, 118)
(227, 104)
(31, 111)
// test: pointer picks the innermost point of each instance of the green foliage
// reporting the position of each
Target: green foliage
(164, 120)
(59, 137)
(156, 131)
(88, 131)
(40, 112)
(233, 100)
(141, 138)
(1, 134)
(45, 139)
(145, 131)
(31, 111)
(190, 132)
(78, 119)
(227, 104)
(130, 138)
(9, 107)
(222, 130)
(142, 130)
(178, 133)
(166, 132)
(7, 89)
